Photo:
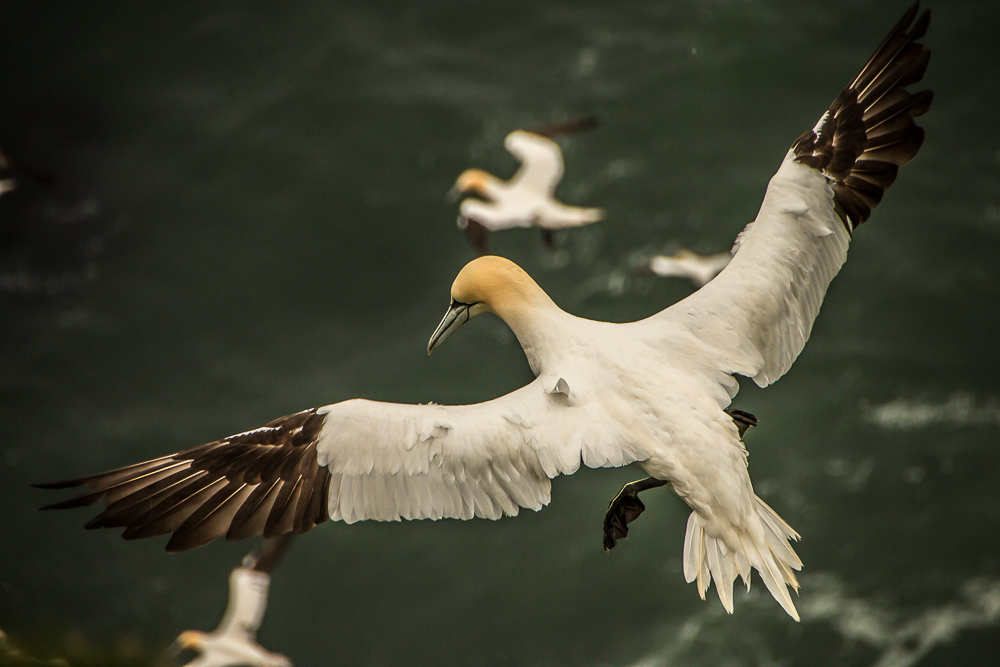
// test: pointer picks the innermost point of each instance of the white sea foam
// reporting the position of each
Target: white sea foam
(901, 637)
(961, 409)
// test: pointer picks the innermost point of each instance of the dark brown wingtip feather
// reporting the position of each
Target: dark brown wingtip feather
(566, 127)
(272, 552)
(68, 484)
(74, 502)
(869, 131)
(266, 481)
(107, 479)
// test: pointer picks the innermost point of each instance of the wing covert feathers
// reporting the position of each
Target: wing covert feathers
(266, 481)
(869, 132)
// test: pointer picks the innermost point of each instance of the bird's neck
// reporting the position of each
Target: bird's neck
(540, 325)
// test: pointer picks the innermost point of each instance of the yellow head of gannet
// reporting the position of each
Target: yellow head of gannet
(190, 640)
(488, 284)
(476, 181)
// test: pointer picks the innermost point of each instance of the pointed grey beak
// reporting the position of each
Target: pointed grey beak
(453, 194)
(457, 315)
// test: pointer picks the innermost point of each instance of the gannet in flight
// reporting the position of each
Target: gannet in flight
(699, 269)
(7, 182)
(526, 200)
(652, 392)
(12, 169)
(234, 642)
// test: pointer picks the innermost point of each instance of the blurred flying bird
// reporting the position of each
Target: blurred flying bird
(526, 200)
(652, 392)
(699, 269)
(15, 168)
(234, 642)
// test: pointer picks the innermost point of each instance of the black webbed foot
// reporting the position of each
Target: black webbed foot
(624, 509)
(743, 420)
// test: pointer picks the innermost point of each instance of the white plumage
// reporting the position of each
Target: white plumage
(699, 269)
(527, 199)
(651, 392)
(234, 642)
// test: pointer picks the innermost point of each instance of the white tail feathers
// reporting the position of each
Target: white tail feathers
(763, 546)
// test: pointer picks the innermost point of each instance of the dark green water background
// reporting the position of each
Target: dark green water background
(267, 231)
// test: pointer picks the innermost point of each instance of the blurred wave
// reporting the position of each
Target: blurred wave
(960, 409)
(869, 631)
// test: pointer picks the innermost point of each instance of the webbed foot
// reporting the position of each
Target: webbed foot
(624, 509)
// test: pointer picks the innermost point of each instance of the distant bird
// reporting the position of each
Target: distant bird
(234, 642)
(526, 200)
(699, 269)
(7, 181)
(16, 168)
(652, 392)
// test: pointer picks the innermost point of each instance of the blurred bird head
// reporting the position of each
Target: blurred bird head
(475, 181)
(189, 640)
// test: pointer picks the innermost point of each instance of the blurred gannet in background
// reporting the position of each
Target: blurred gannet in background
(699, 269)
(16, 168)
(7, 182)
(652, 392)
(234, 642)
(526, 200)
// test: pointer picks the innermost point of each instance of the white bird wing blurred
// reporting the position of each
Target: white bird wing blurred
(362, 459)
(247, 604)
(541, 162)
(756, 315)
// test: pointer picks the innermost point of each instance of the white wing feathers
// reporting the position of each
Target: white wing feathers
(541, 162)
(390, 461)
(247, 603)
(755, 317)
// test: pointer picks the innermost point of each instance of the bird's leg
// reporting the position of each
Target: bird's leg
(477, 234)
(624, 509)
(549, 239)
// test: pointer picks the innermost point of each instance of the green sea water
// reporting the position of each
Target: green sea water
(248, 218)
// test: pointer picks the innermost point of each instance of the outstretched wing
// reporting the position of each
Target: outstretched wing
(359, 460)
(541, 162)
(264, 481)
(755, 317)
(247, 603)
